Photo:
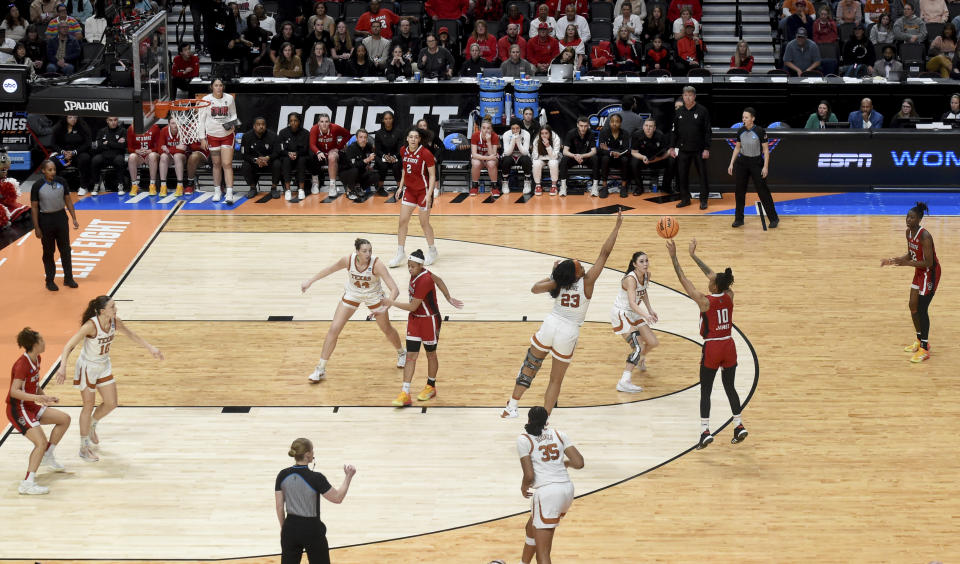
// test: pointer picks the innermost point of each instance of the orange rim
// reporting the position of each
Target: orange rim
(163, 107)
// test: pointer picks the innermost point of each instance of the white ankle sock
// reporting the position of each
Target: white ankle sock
(84, 441)
(322, 364)
(512, 403)
(93, 424)
(406, 387)
(704, 424)
(31, 476)
(736, 420)
(50, 448)
(400, 250)
(625, 377)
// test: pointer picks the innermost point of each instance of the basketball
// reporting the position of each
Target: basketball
(668, 227)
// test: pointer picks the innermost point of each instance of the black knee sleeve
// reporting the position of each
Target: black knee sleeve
(706, 387)
(413, 346)
(923, 313)
(635, 355)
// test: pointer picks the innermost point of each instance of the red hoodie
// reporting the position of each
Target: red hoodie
(447, 9)
(179, 64)
(542, 52)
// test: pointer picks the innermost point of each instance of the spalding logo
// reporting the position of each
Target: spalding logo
(10, 86)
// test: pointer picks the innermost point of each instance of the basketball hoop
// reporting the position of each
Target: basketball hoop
(186, 114)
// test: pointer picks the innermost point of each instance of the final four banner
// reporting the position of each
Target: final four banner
(366, 111)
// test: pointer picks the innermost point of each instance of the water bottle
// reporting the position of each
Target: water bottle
(523, 75)
(479, 76)
(416, 76)
(654, 188)
(576, 75)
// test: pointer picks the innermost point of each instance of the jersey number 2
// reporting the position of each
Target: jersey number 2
(409, 169)
(550, 452)
(570, 300)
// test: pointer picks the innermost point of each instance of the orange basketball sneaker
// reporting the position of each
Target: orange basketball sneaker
(403, 400)
(921, 355)
(427, 393)
(912, 348)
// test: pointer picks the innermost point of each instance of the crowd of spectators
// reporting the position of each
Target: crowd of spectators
(48, 37)
(447, 38)
(870, 38)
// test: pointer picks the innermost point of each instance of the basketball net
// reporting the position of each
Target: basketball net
(186, 114)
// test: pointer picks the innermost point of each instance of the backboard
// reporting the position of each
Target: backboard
(151, 64)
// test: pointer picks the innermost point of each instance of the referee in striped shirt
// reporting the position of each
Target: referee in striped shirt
(298, 492)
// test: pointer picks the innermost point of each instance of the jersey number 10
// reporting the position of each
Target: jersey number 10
(723, 315)
(570, 300)
(550, 452)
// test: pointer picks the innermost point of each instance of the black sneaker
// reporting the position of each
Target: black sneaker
(71, 283)
(739, 434)
(705, 439)
(737, 223)
(683, 203)
(774, 223)
(252, 194)
(703, 204)
(52, 286)
(623, 191)
(275, 194)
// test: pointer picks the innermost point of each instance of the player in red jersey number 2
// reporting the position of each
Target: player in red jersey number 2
(922, 256)
(719, 350)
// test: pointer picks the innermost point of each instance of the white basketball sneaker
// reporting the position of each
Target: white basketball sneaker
(595, 190)
(301, 195)
(400, 258)
(401, 359)
(563, 188)
(229, 198)
(315, 189)
(628, 387)
(318, 375)
(526, 186)
(509, 412)
(82, 191)
(287, 195)
(217, 195)
(51, 461)
(31, 488)
(431, 257)
(506, 187)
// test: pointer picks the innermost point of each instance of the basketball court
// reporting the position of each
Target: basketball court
(848, 458)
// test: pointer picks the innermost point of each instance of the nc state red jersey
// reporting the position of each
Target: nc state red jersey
(335, 138)
(170, 141)
(415, 167)
(483, 147)
(423, 288)
(716, 322)
(24, 369)
(145, 140)
(915, 245)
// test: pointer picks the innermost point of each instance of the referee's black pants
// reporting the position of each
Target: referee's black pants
(684, 159)
(55, 232)
(743, 169)
(300, 534)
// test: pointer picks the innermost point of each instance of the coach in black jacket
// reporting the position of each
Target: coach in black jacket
(389, 141)
(690, 140)
(294, 154)
(110, 146)
(358, 166)
(260, 149)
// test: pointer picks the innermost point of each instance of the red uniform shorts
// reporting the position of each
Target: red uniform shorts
(926, 280)
(717, 354)
(415, 197)
(425, 329)
(214, 143)
(24, 415)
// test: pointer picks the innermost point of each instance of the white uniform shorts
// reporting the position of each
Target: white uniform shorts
(550, 503)
(92, 375)
(625, 322)
(558, 337)
(374, 302)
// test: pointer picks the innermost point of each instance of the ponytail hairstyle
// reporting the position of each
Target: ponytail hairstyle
(724, 280)
(536, 420)
(564, 274)
(300, 448)
(358, 242)
(920, 209)
(94, 308)
(633, 260)
(27, 338)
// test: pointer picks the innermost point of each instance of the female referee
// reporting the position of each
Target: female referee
(922, 256)
(298, 492)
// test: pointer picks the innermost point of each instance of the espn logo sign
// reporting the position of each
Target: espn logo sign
(845, 160)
